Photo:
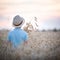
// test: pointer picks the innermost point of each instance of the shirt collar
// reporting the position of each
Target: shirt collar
(17, 28)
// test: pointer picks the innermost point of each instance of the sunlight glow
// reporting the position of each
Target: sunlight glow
(42, 9)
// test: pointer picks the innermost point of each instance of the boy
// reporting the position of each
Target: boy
(17, 36)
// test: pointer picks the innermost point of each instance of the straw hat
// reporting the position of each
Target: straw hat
(18, 21)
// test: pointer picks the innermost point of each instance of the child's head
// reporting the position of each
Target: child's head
(18, 21)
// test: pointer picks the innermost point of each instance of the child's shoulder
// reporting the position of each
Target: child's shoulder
(10, 32)
(24, 31)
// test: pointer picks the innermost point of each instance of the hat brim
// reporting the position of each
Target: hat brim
(20, 25)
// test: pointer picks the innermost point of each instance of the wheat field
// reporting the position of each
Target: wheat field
(41, 46)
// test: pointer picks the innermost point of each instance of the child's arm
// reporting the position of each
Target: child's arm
(9, 39)
(26, 39)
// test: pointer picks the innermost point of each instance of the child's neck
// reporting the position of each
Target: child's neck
(17, 27)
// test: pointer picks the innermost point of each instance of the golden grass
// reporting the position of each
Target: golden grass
(41, 46)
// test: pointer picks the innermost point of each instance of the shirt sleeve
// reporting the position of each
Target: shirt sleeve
(26, 37)
(9, 37)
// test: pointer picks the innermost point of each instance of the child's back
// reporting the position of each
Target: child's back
(17, 36)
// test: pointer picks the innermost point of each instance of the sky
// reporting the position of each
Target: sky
(46, 11)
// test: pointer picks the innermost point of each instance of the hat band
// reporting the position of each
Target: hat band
(19, 23)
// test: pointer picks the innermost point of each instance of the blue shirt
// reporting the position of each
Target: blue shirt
(17, 36)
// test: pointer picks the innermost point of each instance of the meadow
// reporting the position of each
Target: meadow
(43, 45)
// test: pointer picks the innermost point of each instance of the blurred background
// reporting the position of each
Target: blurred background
(45, 12)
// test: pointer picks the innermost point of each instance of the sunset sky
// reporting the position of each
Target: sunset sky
(46, 11)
